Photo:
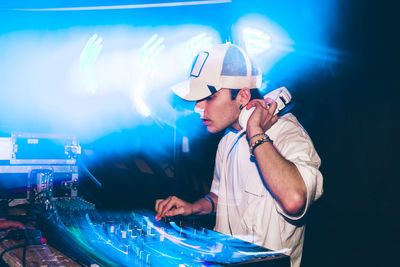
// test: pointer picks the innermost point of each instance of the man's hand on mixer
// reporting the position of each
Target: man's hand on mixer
(172, 206)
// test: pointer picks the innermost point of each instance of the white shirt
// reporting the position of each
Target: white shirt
(245, 207)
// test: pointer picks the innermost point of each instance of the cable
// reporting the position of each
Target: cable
(12, 248)
(91, 176)
(24, 256)
(30, 239)
(25, 245)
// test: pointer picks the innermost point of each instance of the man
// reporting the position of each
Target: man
(266, 176)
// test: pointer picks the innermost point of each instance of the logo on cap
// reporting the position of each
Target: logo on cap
(199, 63)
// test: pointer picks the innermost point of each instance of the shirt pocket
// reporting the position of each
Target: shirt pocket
(254, 197)
(254, 187)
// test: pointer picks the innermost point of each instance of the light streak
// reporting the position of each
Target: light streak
(174, 4)
(170, 237)
(148, 53)
(262, 253)
(88, 59)
(196, 44)
(179, 229)
(106, 241)
(256, 40)
(137, 98)
(174, 239)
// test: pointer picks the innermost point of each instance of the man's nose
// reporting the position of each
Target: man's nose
(199, 108)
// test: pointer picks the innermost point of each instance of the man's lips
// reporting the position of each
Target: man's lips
(206, 121)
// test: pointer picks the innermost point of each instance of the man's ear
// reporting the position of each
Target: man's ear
(244, 96)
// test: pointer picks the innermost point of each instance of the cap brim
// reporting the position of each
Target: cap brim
(191, 90)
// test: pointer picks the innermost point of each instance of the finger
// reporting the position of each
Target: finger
(174, 212)
(269, 101)
(157, 204)
(157, 207)
(274, 119)
(160, 209)
(253, 103)
(162, 204)
(272, 107)
(158, 217)
(170, 205)
(262, 106)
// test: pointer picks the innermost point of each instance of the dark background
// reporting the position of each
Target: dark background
(355, 127)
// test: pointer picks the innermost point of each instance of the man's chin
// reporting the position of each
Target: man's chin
(213, 130)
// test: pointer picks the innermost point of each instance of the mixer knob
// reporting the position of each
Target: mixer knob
(150, 232)
(140, 231)
(203, 230)
(134, 251)
(123, 234)
(147, 258)
(144, 257)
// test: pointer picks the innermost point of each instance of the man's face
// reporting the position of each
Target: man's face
(219, 111)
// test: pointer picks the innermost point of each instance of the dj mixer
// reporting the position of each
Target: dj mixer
(101, 238)
(47, 165)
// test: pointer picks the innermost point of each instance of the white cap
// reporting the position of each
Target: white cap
(221, 66)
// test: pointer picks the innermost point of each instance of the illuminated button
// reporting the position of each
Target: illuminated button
(123, 234)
